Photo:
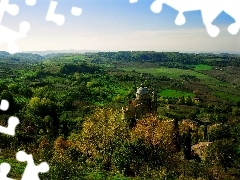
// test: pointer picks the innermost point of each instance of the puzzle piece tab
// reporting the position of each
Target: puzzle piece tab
(59, 19)
(133, 1)
(31, 171)
(210, 9)
(4, 105)
(4, 170)
(12, 121)
(30, 2)
(76, 11)
(12, 9)
(12, 124)
(51, 16)
(7, 35)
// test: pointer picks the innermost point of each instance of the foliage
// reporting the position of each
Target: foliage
(69, 108)
(83, 68)
(175, 94)
(155, 132)
(131, 157)
(102, 133)
(201, 67)
(222, 152)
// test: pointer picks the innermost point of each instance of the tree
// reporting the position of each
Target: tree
(235, 111)
(181, 100)
(221, 118)
(102, 133)
(130, 157)
(156, 132)
(222, 153)
(187, 145)
(64, 164)
(161, 144)
(40, 108)
(219, 132)
(189, 101)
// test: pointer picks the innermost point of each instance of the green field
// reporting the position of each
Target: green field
(227, 96)
(175, 74)
(174, 93)
(202, 67)
(164, 71)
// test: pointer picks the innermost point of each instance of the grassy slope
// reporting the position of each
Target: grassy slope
(221, 89)
(202, 67)
(174, 94)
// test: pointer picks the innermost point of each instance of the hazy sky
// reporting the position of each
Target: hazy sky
(111, 25)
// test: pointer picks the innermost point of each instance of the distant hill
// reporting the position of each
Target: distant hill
(47, 52)
(20, 56)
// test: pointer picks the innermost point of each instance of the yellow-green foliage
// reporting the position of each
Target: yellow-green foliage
(101, 134)
(155, 132)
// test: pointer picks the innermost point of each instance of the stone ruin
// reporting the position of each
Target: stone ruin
(144, 103)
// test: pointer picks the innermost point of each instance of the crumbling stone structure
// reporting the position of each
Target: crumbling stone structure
(144, 103)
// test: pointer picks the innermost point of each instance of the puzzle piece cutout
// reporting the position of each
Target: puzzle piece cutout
(4, 170)
(4, 105)
(30, 2)
(59, 19)
(12, 9)
(5, 167)
(12, 121)
(7, 35)
(210, 9)
(133, 1)
(12, 124)
(76, 11)
(31, 171)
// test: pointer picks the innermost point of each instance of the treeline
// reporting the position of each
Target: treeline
(80, 68)
(20, 57)
(142, 56)
(169, 59)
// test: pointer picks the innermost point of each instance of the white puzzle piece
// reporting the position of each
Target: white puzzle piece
(210, 9)
(59, 19)
(4, 170)
(31, 171)
(8, 35)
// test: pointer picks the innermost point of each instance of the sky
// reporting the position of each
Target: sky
(117, 25)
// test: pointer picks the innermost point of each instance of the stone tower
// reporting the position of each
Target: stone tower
(144, 103)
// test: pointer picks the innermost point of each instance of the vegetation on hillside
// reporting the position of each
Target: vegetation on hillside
(69, 106)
